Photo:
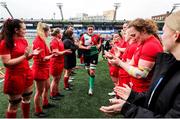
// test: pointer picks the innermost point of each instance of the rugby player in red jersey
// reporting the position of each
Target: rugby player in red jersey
(15, 54)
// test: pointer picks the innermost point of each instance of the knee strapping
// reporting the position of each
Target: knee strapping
(92, 66)
(15, 102)
(27, 94)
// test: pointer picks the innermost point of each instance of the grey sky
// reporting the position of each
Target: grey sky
(129, 9)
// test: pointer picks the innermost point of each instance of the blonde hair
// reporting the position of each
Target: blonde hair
(41, 29)
(173, 21)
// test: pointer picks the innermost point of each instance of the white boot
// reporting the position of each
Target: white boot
(112, 93)
(90, 92)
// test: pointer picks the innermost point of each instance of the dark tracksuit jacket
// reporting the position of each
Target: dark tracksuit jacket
(163, 97)
(70, 59)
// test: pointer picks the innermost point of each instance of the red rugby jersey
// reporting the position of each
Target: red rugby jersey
(57, 44)
(20, 45)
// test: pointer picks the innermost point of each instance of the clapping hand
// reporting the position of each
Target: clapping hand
(123, 92)
(114, 61)
(117, 53)
(113, 109)
(68, 51)
(27, 51)
(48, 57)
(55, 52)
(108, 55)
(36, 51)
(114, 101)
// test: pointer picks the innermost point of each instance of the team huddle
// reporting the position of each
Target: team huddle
(135, 58)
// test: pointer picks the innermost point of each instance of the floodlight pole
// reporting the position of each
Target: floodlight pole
(174, 7)
(116, 5)
(5, 6)
(54, 14)
(59, 5)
